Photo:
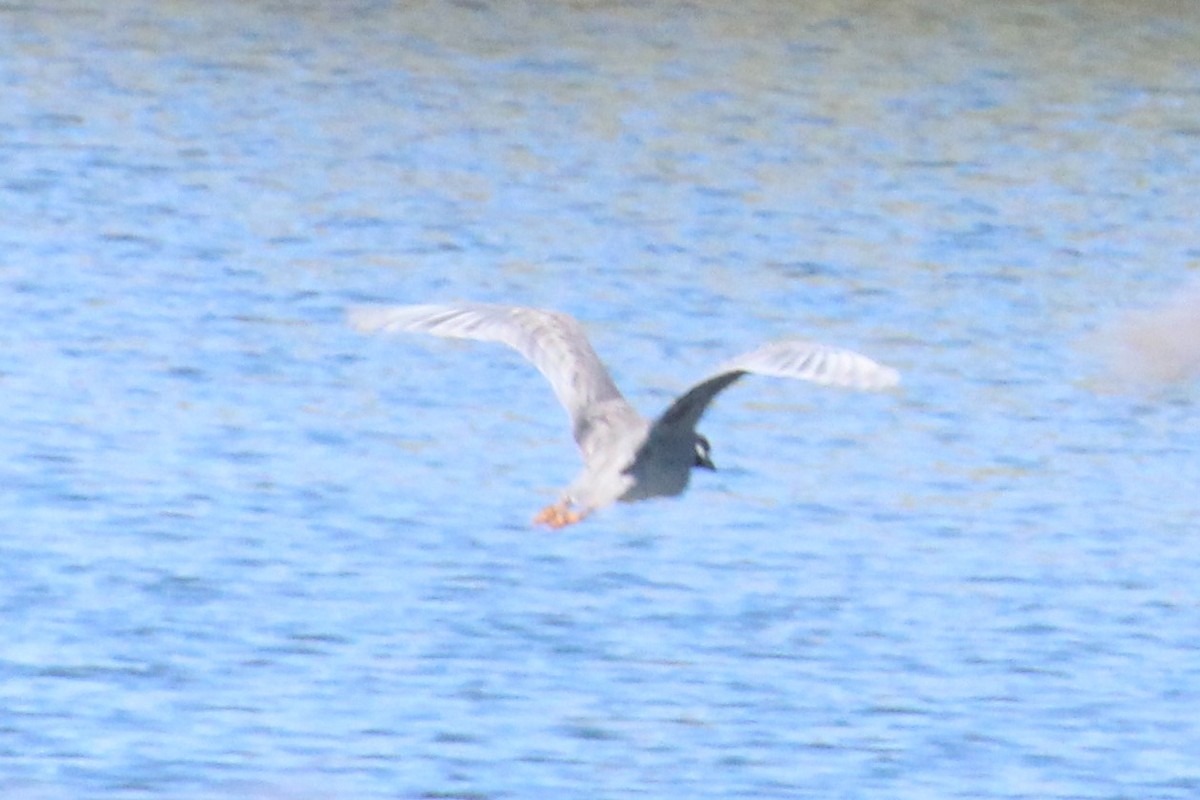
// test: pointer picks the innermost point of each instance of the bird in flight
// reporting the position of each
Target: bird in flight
(626, 457)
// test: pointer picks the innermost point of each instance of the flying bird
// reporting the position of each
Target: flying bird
(626, 457)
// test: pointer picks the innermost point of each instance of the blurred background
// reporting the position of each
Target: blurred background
(247, 552)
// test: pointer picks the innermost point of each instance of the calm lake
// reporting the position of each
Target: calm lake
(248, 552)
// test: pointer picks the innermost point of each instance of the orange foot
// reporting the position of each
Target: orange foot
(559, 515)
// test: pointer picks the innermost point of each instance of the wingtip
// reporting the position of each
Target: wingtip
(367, 319)
(888, 378)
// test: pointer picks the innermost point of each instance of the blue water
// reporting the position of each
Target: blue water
(250, 553)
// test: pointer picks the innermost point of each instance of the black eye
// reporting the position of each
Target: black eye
(702, 452)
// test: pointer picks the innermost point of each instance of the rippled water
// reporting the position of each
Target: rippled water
(249, 553)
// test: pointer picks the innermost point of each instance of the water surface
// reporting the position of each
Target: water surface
(250, 553)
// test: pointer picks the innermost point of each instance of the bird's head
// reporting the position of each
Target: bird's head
(703, 454)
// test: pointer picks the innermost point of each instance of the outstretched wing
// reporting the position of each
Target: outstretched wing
(554, 342)
(829, 366)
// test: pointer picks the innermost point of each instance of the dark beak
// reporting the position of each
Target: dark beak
(706, 463)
